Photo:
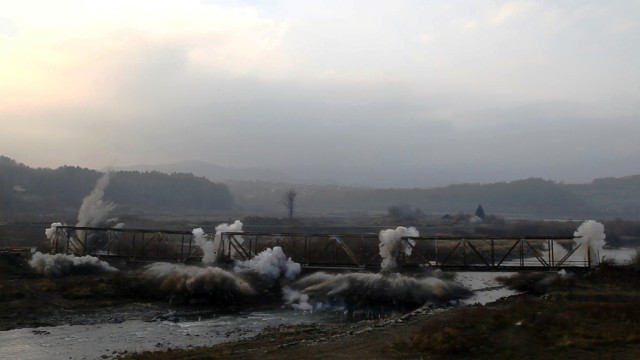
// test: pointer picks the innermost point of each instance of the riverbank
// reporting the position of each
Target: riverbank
(594, 316)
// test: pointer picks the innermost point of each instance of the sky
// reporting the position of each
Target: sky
(378, 93)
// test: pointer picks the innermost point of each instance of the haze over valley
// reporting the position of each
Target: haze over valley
(376, 94)
(167, 189)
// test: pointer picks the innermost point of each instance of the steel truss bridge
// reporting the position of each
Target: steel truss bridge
(328, 251)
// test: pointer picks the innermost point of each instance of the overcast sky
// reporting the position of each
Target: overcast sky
(385, 93)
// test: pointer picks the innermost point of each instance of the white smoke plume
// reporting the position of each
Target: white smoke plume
(300, 301)
(50, 232)
(212, 283)
(367, 292)
(53, 236)
(94, 211)
(392, 246)
(236, 226)
(211, 248)
(207, 246)
(271, 263)
(590, 237)
(590, 234)
(62, 265)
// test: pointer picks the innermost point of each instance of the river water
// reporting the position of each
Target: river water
(107, 340)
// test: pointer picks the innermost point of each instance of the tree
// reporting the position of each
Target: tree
(289, 201)
(480, 212)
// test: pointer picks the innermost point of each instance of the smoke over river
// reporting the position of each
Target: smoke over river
(210, 284)
(375, 293)
(262, 275)
(269, 272)
(272, 276)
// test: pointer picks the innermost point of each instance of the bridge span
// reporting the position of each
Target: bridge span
(328, 251)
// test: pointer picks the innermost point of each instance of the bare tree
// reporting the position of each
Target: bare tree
(289, 201)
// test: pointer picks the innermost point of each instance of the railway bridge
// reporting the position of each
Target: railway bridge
(328, 251)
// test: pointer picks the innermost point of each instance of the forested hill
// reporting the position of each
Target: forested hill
(27, 190)
(536, 197)
(613, 197)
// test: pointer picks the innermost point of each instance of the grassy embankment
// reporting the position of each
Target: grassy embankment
(596, 317)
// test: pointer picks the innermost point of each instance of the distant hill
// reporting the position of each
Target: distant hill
(28, 190)
(24, 189)
(529, 197)
(215, 172)
(611, 196)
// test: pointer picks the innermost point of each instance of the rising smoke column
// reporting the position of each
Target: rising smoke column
(590, 238)
(202, 241)
(392, 246)
(94, 211)
(211, 248)
(590, 235)
(55, 238)
(50, 232)
(236, 226)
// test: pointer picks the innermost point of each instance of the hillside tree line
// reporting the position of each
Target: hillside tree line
(24, 189)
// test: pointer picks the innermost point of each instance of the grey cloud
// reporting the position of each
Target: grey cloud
(341, 133)
(564, 109)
